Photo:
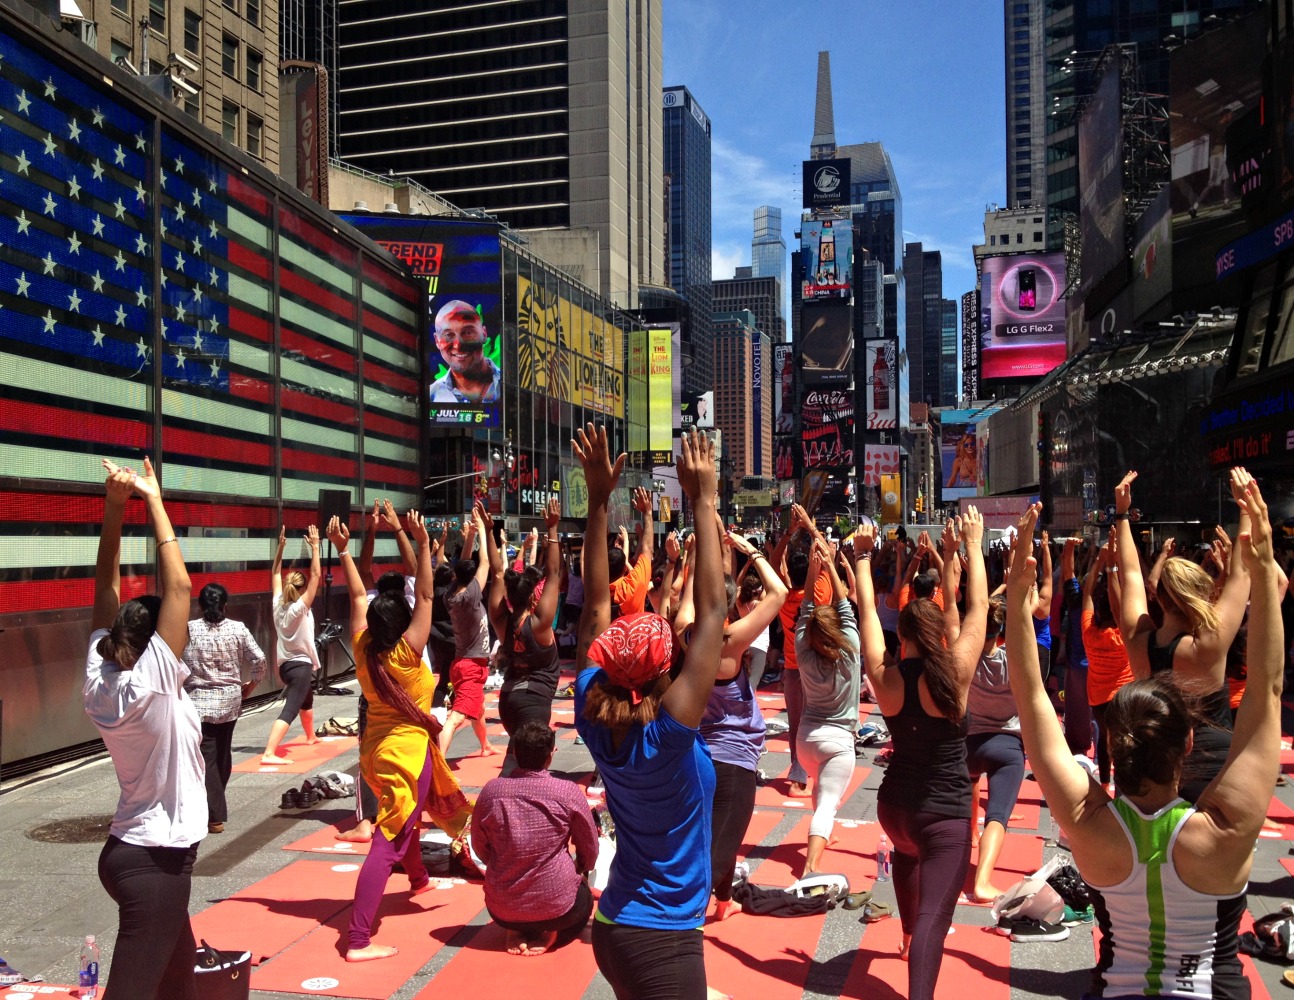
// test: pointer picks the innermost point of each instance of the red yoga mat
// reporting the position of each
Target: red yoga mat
(1282, 815)
(564, 973)
(418, 925)
(324, 841)
(1021, 856)
(272, 914)
(305, 757)
(976, 963)
(471, 770)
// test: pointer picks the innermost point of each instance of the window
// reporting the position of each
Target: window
(157, 15)
(254, 128)
(229, 122)
(120, 52)
(1037, 236)
(232, 5)
(992, 240)
(253, 12)
(191, 107)
(254, 63)
(1019, 237)
(192, 33)
(120, 5)
(229, 56)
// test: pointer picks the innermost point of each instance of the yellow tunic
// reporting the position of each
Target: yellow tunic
(394, 749)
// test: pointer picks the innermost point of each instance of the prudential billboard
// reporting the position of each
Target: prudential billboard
(1023, 298)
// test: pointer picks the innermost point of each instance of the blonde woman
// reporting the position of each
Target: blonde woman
(1194, 638)
(294, 629)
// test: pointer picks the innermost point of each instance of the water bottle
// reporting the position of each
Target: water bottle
(884, 860)
(89, 989)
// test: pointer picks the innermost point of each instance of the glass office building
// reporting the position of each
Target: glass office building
(687, 178)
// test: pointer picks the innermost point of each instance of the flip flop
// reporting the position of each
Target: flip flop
(1288, 977)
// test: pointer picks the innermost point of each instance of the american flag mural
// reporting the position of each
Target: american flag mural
(156, 297)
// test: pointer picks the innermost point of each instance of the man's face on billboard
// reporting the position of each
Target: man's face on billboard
(460, 338)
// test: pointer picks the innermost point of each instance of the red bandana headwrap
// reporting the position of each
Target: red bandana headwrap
(634, 651)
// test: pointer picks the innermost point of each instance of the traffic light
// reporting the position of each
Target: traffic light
(921, 503)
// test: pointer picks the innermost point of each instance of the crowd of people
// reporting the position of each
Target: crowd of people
(1167, 671)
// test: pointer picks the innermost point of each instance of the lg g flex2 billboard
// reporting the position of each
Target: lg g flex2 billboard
(1022, 297)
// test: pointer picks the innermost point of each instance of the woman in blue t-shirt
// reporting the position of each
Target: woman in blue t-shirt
(639, 719)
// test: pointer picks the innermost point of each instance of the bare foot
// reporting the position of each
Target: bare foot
(905, 948)
(974, 840)
(362, 834)
(984, 893)
(371, 954)
(418, 890)
(312, 740)
(488, 751)
(799, 791)
(515, 943)
(539, 945)
(725, 908)
(712, 994)
(275, 759)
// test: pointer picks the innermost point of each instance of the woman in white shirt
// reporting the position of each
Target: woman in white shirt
(134, 694)
(294, 626)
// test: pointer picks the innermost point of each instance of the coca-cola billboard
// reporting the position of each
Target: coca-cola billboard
(827, 428)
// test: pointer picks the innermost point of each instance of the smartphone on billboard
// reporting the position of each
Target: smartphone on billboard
(1028, 298)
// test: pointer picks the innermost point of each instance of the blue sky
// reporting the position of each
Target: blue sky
(924, 77)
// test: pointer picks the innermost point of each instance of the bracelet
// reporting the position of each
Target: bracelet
(554, 541)
(399, 531)
(1121, 517)
(165, 540)
(864, 555)
(758, 555)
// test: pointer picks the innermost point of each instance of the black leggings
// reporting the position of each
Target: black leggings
(568, 926)
(442, 655)
(155, 951)
(516, 707)
(642, 963)
(1001, 757)
(734, 801)
(931, 854)
(366, 800)
(299, 694)
(218, 755)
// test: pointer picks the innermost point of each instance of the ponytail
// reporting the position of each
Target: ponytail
(294, 585)
(212, 601)
(1188, 589)
(388, 616)
(921, 622)
(131, 631)
(393, 695)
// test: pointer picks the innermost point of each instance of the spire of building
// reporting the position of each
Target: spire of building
(823, 145)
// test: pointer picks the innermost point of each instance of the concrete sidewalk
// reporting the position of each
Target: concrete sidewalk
(53, 824)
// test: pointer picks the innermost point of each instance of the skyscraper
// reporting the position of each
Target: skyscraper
(687, 175)
(768, 255)
(1026, 118)
(924, 277)
(744, 413)
(950, 356)
(762, 296)
(546, 115)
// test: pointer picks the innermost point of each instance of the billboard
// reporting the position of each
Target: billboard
(1022, 315)
(827, 428)
(459, 261)
(827, 253)
(783, 389)
(959, 453)
(826, 183)
(826, 342)
(660, 394)
(891, 499)
(757, 418)
(566, 352)
(1100, 178)
(879, 460)
(880, 369)
(1152, 256)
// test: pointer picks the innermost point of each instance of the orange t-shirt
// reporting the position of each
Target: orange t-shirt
(630, 591)
(1108, 668)
(790, 614)
(905, 597)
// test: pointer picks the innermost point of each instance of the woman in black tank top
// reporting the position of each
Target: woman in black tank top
(1200, 622)
(924, 799)
(522, 613)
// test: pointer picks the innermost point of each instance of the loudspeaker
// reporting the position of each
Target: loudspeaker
(333, 503)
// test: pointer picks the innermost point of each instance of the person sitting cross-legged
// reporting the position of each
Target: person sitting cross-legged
(521, 829)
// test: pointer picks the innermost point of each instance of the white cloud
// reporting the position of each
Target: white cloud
(739, 183)
(725, 258)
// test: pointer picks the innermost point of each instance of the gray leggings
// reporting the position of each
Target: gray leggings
(827, 755)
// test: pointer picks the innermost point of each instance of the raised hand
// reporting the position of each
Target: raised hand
(389, 516)
(1022, 575)
(283, 537)
(552, 513)
(672, 547)
(642, 500)
(338, 533)
(738, 542)
(1255, 544)
(312, 537)
(863, 539)
(1123, 493)
(800, 517)
(119, 483)
(594, 454)
(373, 518)
(1221, 548)
(1169, 547)
(417, 528)
(923, 542)
(696, 471)
(971, 525)
(950, 540)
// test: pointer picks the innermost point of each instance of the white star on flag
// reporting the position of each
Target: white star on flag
(48, 261)
(74, 130)
(140, 244)
(97, 278)
(50, 145)
(141, 349)
(179, 211)
(24, 224)
(98, 335)
(49, 321)
(211, 185)
(121, 316)
(197, 198)
(97, 225)
(23, 162)
(73, 187)
(141, 297)
(164, 329)
(179, 262)
(179, 358)
(215, 368)
(197, 293)
(98, 116)
(121, 262)
(139, 191)
(50, 89)
(214, 229)
(179, 167)
(23, 285)
(197, 246)
(119, 155)
(74, 302)
(24, 103)
(139, 141)
(180, 312)
(50, 204)
(162, 180)
(197, 341)
(97, 169)
(74, 244)
(215, 278)
(121, 209)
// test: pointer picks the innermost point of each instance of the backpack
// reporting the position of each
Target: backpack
(1272, 936)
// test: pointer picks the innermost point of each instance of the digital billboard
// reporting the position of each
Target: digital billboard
(758, 362)
(460, 262)
(1022, 315)
(827, 253)
(783, 389)
(827, 428)
(660, 394)
(826, 183)
(1152, 256)
(879, 460)
(826, 342)
(880, 369)
(959, 453)
(1100, 178)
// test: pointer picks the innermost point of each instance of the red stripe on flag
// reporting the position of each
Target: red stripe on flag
(396, 381)
(375, 322)
(27, 595)
(248, 260)
(401, 430)
(216, 446)
(390, 474)
(316, 238)
(316, 349)
(317, 292)
(246, 387)
(250, 324)
(304, 403)
(249, 195)
(36, 418)
(314, 462)
(409, 290)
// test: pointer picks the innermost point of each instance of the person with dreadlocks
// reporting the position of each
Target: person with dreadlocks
(398, 756)
(522, 606)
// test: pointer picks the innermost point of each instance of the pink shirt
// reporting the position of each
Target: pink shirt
(521, 826)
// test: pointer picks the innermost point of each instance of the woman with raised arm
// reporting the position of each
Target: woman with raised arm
(1168, 877)
(522, 606)
(220, 651)
(1107, 658)
(134, 694)
(639, 712)
(924, 799)
(398, 756)
(827, 648)
(294, 629)
(1194, 638)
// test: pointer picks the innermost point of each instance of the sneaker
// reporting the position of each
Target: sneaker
(1073, 918)
(308, 797)
(1028, 929)
(775, 727)
(291, 799)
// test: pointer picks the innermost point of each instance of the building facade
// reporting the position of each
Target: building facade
(549, 120)
(687, 175)
(743, 414)
(968, 387)
(949, 354)
(218, 62)
(768, 254)
(1026, 111)
(924, 281)
(761, 296)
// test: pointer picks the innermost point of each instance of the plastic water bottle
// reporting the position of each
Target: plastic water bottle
(89, 988)
(884, 859)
